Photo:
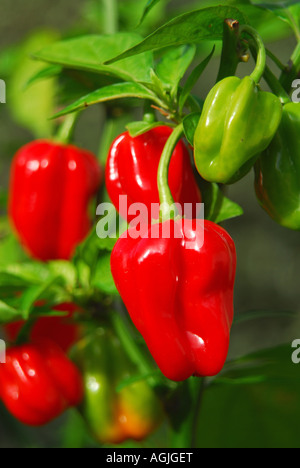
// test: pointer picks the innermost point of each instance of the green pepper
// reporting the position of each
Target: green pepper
(114, 416)
(277, 180)
(238, 122)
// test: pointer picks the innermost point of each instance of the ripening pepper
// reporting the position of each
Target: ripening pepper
(132, 167)
(50, 189)
(238, 122)
(277, 171)
(114, 416)
(38, 382)
(62, 330)
(179, 294)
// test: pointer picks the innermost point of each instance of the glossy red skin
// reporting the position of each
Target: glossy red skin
(38, 383)
(181, 300)
(132, 167)
(51, 186)
(61, 330)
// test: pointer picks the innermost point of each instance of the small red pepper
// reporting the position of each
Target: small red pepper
(179, 294)
(50, 189)
(38, 383)
(132, 168)
(61, 330)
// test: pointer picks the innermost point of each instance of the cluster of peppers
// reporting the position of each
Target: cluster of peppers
(241, 127)
(39, 381)
(178, 290)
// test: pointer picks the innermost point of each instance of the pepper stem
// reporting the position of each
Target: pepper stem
(165, 195)
(184, 411)
(261, 53)
(66, 129)
(273, 83)
(229, 57)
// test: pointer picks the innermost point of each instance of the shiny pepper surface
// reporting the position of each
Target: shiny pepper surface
(179, 295)
(50, 190)
(278, 171)
(62, 330)
(237, 123)
(38, 383)
(114, 416)
(132, 167)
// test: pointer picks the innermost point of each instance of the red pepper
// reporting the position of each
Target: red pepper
(50, 189)
(61, 330)
(132, 168)
(38, 383)
(179, 294)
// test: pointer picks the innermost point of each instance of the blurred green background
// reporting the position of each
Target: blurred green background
(268, 255)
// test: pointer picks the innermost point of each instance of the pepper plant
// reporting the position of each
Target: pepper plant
(146, 321)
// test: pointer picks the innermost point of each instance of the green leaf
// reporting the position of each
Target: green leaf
(33, 294)
(10, 249)
(137, 378)
(288, 15)
(138, 128)
(150, 4)
(174, 64)
(109, 93)
(278, 4)
(264, 362)
(43, 74)
(90, 52)
(262, 413)
(64, 270)
(192, 27)
(262, 314)
(103, 279)
(190, 123)
(8, 314)
(25, 273)
(32, 106)
(192, 80)
(107, 244)
(218, 208)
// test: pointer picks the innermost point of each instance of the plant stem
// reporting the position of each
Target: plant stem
(130, 346)
(115, 121)
(198, 395)
(261, 53)
(274, 83)
(111, 16)
(66, 130)
(184, 413)
(275, 60)
(230, 58)
(292, 71)
(165, 195)
(275, 86)
(294, 24)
